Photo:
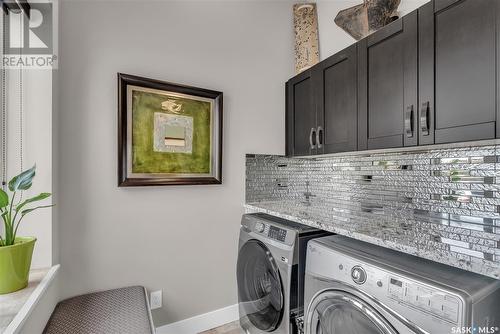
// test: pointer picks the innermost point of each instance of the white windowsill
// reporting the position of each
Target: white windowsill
(17, 306)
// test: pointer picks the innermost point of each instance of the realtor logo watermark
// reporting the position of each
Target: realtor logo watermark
(30, 40)
(475, 330)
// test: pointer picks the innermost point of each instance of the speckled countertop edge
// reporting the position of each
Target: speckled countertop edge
(474, 265)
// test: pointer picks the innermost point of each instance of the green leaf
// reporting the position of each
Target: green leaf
(4, 199)
(24, 212)
(22, 181)
(38, 197)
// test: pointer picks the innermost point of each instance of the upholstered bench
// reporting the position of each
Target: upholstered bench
(118, 311)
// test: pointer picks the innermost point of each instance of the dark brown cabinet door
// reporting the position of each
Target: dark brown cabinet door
(458, 60)
(300, 116)
(335, 85)
(387, 86)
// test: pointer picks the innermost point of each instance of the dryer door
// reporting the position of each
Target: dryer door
(339, 312)
(260, 291)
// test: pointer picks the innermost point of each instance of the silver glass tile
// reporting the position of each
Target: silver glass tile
(441, 204)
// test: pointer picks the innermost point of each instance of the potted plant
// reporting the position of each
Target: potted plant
(16, 252)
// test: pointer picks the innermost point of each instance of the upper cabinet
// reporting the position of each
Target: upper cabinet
(430, 77)
(300, 116)
(387, 81)
(336, 102)
(321, 114)
(458, 61)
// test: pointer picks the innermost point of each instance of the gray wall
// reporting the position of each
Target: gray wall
(179, 239)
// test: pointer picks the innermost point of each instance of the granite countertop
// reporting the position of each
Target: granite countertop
(407, 238)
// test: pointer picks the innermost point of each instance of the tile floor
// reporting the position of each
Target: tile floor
(231, 328)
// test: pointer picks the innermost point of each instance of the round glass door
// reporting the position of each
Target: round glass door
(260, 293)
(339, 312)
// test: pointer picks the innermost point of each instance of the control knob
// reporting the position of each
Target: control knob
(259, 227)
(358, 275)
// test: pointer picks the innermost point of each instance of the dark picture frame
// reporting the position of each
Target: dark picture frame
(131, 173)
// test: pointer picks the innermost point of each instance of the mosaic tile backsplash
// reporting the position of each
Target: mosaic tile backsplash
(440, 204)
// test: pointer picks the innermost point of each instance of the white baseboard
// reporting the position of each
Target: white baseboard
(201, 322)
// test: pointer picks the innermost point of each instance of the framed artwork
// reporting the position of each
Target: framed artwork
(168, 134)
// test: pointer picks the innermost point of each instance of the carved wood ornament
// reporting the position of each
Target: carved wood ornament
(361, 20)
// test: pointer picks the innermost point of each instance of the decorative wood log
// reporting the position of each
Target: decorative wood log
(305, 20)
(361, 20)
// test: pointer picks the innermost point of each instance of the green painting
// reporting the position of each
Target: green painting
(168, 134)
(171, 133)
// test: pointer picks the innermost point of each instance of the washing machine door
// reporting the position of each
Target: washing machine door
(340, 312)
(260, 291)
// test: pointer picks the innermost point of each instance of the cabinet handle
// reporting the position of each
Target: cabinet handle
(319, 136)
(409, 121)
(424, 118)
(312, 138)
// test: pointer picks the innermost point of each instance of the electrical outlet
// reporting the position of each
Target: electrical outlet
(155, 299)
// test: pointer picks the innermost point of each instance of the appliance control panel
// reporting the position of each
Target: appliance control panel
(272, 231)
(424, 298)
(277, 233)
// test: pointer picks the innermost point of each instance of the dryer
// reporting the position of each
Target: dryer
(352, 287)
(270, 272)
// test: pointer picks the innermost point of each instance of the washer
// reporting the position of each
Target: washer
(270, 272)
(352, 287)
